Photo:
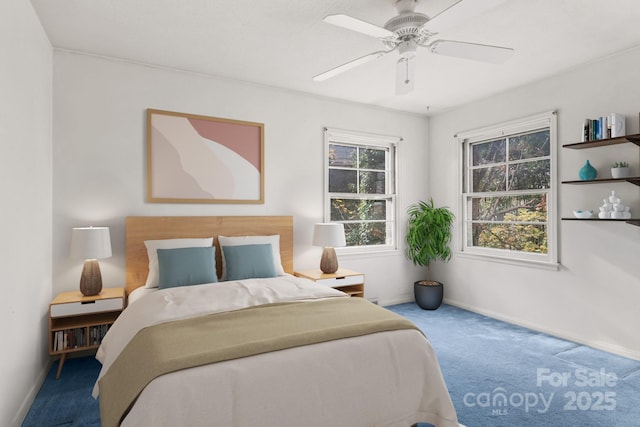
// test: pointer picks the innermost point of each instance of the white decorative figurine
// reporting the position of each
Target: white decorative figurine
(614, 208)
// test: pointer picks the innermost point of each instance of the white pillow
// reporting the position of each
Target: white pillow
(253, 240)
(153, 277)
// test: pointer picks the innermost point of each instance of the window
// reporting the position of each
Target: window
(508, 194)
(360, 182)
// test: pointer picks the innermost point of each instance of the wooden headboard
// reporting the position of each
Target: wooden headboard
(141, 228)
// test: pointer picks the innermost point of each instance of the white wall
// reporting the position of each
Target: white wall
(99, 172)
(594, 296)
(25, 213)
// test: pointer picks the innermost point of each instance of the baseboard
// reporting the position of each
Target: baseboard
(22, 412)
(609, 348)
(396, 300)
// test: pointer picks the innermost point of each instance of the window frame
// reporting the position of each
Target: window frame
(362, 139)
(512, 128)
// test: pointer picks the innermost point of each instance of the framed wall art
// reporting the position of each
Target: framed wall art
(200, 159)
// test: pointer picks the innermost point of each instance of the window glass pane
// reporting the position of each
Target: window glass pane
(343, 181)
(485, 153)
(371, 158)
(524, 208)
(509, 190)
(515, 237)
(489, 179)
(530, 175)
(342, 156)
(365, 233)
(372, 182)
(531, 145)
(361, 179)
(357, 209)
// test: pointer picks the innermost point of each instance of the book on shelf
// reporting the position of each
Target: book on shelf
(618, 127)
(97, 333)
(77, 337)
(604, 127)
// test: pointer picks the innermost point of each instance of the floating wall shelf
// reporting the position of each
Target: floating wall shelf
(634, 139)
(628, 221)
(632, 179)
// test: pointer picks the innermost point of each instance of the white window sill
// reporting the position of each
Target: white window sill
(542, 265)
(356, 253)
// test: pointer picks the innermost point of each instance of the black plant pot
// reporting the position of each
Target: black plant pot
(428, 297)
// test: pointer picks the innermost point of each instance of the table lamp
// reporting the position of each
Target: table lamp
(329, 236)
(90, 244)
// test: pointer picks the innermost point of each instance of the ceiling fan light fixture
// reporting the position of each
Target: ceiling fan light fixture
(407, 49)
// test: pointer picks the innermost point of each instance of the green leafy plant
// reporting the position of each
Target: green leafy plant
(620, 165)
(428, 233)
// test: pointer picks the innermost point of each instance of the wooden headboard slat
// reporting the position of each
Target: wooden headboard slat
(141, 228)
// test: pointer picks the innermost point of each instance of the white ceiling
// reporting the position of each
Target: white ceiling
(284, 43)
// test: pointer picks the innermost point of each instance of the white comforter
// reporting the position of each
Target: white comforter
(383, 379)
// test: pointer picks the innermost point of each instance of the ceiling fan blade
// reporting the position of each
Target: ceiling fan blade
(405, 72)
(358, 25)
(473, 51)
(458, 13)
(349, 65)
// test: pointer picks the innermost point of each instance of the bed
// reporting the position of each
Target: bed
(258, 348)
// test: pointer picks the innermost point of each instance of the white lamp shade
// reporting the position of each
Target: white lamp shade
(329, 235)
(90, 242)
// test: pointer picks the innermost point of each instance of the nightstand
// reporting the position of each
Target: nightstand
(78, 322)
(348, 281)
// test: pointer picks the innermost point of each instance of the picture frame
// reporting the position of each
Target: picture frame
(200, 159)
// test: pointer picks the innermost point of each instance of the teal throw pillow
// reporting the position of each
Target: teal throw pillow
(249, 261)
(186, 266)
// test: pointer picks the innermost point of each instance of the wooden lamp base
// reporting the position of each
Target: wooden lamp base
(329, 261)
(91, 279)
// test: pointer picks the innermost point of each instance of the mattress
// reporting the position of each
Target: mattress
(382, 379)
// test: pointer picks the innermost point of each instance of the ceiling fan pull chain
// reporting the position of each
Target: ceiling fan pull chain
(406, 63)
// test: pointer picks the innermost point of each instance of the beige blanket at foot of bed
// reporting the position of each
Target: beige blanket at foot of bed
(198, 341)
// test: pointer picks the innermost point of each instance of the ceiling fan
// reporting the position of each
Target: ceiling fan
(409, 30)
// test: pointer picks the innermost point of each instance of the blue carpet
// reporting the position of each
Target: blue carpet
(67, 401)
(498, 375)
(546, 381)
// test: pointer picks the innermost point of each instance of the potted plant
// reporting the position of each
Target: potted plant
(620, 170)
(428, 237)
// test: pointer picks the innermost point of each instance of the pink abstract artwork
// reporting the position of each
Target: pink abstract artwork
(199, 159)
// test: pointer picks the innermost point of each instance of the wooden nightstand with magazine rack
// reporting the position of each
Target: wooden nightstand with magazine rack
(78, 322)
